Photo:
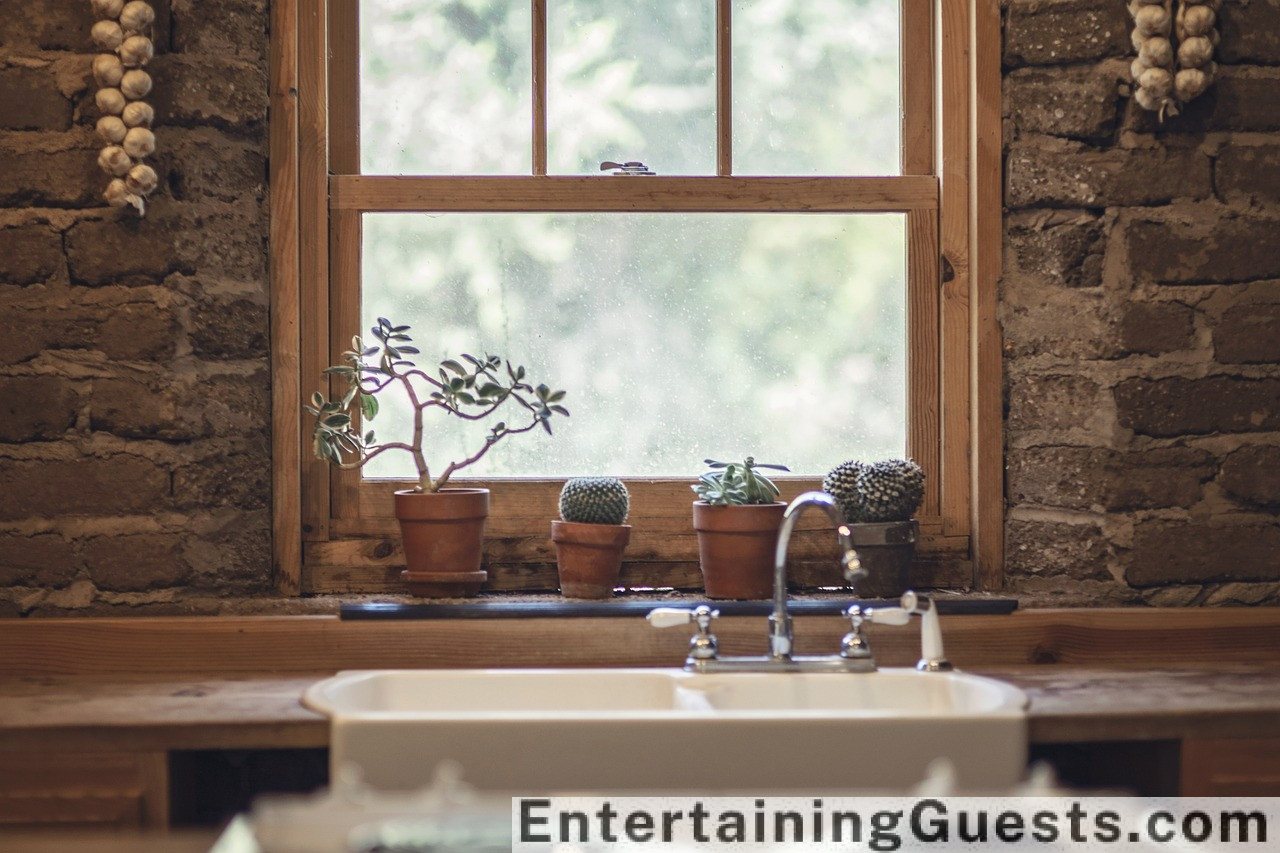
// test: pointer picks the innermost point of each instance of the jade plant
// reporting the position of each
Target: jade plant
(594, 500)
(469, 387)
(737, 483)
(878, 491)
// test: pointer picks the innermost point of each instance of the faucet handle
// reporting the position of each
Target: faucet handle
(670, 617)
(932, 656)
(703, 646)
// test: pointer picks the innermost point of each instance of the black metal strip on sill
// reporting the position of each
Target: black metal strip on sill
(638, 607)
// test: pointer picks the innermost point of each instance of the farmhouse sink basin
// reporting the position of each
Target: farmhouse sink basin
(666, 730)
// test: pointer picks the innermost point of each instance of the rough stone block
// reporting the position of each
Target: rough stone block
(1223, 250)
(1177, 406)
(29, 254)
(121, 250)
(35, 408)
(232, 405)
(133, 409)
(1250, 33)
(1050, 548)
(1069, 477)
(204, 163)
(237, 329)
(1076, 102)
(138, 331)
(91, 486)
(1060, 31)
(239, 477)
(238, 559)
(135, 563)
(1152, 328)
(47, 25)
(215, 90)
(1091, 478)
(1157, 479)
(30, 100)
(1251, 475)
(1052, 402)
(1057, 252)
(1248, 334)
(1067, 174)
(1031, 315)
(56, 179)
(220, 26)
(1249, 173)
(1186, 552)
(41, 560)
(1242, 98)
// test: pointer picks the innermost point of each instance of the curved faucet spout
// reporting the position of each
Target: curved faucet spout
(780, 620)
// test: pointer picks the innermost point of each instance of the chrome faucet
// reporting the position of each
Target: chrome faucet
(703, 650)
(780, 620)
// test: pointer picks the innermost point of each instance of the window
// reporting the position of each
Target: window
(761, 199)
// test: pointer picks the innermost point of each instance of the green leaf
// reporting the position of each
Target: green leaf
(338, 370)
(411, 350)
(556, 396)
(384, 322)
(543, 392)
(317, 399)
(560, 410)
(450, 364)
(337, 421)
(368, 437)
(464, 397)
(369, 406)
(490, 389)
(399, 328)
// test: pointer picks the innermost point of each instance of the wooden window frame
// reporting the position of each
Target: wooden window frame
(334, 533)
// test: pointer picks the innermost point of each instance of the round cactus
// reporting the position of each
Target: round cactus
(841, 483)
(594, 500)
(882, 491)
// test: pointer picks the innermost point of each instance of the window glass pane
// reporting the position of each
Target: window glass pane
(445, 87)
(631, 81)
(816, 87)
(677, 336)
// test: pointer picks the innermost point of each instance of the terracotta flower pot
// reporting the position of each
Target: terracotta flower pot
(589, 557)
(736, 546)
(443, 534)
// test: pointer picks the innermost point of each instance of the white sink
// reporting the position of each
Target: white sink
(665, 730)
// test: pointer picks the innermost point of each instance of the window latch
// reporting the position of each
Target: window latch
(632, 167)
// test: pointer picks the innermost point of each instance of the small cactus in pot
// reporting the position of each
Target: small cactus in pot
(591, 535)
(878, 500)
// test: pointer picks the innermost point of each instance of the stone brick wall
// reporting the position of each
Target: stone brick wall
(1140, 304)
(1141, 313)
(134, 381)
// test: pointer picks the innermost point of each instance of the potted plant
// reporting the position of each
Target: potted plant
(442, 528)
(878, 500)
(591, 536)
(737, 518)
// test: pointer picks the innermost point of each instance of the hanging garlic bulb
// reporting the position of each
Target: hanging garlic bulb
(108, 8)
(138, 114)
(142, 180)
(107, 69)
(107, 34)
(114, 161)
(110, 101)
(140, 143)
(1153, 69)
(117, 193)
(136, 51)
(111, 129)
(135, 84)
(137, 16)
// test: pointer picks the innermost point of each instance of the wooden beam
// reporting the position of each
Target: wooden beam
(918, 62)
(724, 87)
(632, 194)
(539, 47)
(988, 232)
(286, 486)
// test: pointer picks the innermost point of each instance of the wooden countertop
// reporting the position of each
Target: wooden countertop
(234, 682)
(153, 713)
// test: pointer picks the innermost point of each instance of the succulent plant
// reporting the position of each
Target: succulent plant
(472, 391)
(876, 492)
(737, 483)
(594, 500)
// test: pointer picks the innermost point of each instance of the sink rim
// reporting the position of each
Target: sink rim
(1011, 701)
